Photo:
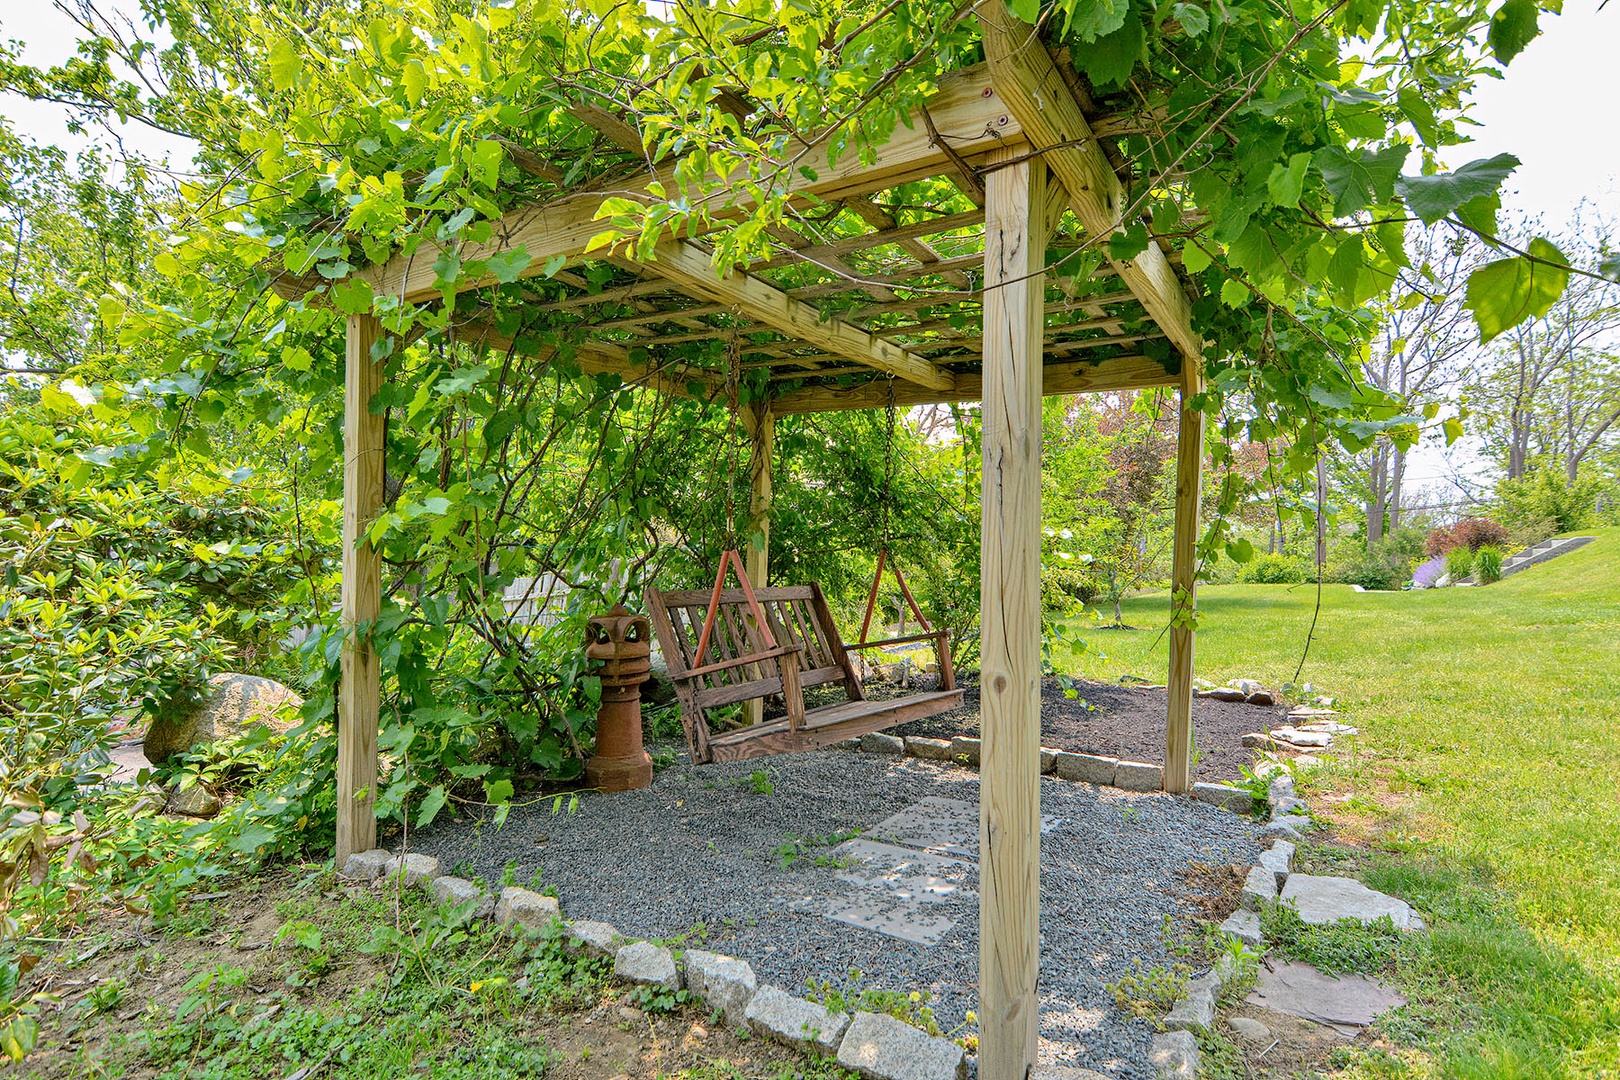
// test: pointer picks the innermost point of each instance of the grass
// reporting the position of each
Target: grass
(1483, 787)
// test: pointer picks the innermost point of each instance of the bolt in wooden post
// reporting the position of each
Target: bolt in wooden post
(1184, 589)
(1010, 617)
(359, 695)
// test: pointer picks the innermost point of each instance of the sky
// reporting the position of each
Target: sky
(1552, 109)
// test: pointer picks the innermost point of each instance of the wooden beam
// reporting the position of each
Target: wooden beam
(1081, 377)
(761, 424)
(1053, 122)
(1184, 589)
(360, 688)
(965, 108)
(689, 266)
(601, 357)
(1010, 621)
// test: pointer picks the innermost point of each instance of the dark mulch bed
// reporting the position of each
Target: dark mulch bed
(1123, 722)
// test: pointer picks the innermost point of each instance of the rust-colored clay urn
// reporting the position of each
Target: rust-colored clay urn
(619, 645)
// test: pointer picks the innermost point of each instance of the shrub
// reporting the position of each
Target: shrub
(1488, 565)
(1460, 562)
(1063, 587)
(1374, 568)
(1547, 494)
(1472, 533)
(1274, 569)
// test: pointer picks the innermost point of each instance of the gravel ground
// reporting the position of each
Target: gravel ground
(701, 847)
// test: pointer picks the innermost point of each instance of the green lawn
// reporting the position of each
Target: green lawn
(1490, 752)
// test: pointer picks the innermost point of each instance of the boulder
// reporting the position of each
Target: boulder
(1262, 698)
(1244, 925)
(194, 801)
(644, 962)
(963, 747)
(1174, 1056)
(779, 1015)
(1259, 888)
(232, 704)
(931, 749)
(1279, 860)
(456, 891)
(1249, 686)
(412, 868)
(1249, 1030)
(1227, 693)
(1236, 799)
(1139, 776)
(723, 982)
(525, 909)
(592, 938)
(882, 1048)
(366, 865)
(876, 742)
(1088, 768)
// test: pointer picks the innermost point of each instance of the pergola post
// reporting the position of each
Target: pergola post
(761, 424)
(1184, 587)
(359, 692)
(1010, 617)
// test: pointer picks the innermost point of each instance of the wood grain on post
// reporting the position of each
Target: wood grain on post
(1183, 590)
(359, 693)
(757, 561)
(1010, 616)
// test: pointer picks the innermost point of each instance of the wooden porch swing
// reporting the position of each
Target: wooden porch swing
(755, 644)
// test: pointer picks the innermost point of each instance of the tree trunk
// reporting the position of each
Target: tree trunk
(1397, 472)
(1375, 493)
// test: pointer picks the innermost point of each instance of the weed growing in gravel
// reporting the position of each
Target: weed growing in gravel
(1149, 992)
(797, 848)
(1344, 946)
(912, 1008)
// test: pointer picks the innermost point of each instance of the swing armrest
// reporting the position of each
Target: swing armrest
(931, 635)
(726, 665)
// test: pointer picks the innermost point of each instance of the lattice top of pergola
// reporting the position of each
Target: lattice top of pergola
(874, 293)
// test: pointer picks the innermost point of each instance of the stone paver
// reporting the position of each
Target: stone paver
(883, 1048)
(1323, 899)
(1259, 888)
(1346, 1003)
(1244, 925)
(1139, 776)
(779, 1015)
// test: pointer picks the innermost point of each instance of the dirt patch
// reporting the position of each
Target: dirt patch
(1123, 722)
(1215, 890)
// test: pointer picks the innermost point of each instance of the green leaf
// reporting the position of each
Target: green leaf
(1129, 243)
(415, 80)
(1234, 294)
(1195, 259)
(1089, 19)
(1027, 10)
(1454, 428)
(487, 155)
(1328, 397)
(1109, 61)
(1193, 19)
(1513, 26)
(432, 803)
(1504, 293)
(1434, 198)
(508, 266)
(353, 296)
(1360, 179)
(1240, 551)
(498, 791)
(285, 65)
(1286, 182)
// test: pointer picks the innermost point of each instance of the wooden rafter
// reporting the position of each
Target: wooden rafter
(966, 110)
(1053, 122)
(1117, 373)
(688, 265)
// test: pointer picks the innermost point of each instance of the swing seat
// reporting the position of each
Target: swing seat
(800, 649)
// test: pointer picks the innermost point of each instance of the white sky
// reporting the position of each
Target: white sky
(1552, 108)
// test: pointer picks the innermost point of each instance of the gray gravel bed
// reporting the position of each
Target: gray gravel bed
(700, 847)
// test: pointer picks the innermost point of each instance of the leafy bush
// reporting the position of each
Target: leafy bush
(1064, 587)
(1460, 562)
(1472, 533)
(1274, 569)
(1383, 566)
(1547, 495)
(1488, 565)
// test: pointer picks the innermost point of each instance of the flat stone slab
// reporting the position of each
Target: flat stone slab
(929, 749)
(1322, 899)
(1086, 768)
(1346, 1003)
(906, 919)
(946, 826)
(883, 1048)
(1174, 1056)
(1139, 776)
(1236, 799)
(1259, 888)
(1196, 1010)
(966, 747)
(776, 1014)
(1295, 737)
(905, 872)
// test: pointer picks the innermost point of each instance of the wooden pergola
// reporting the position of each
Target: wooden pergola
(1028, 170)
